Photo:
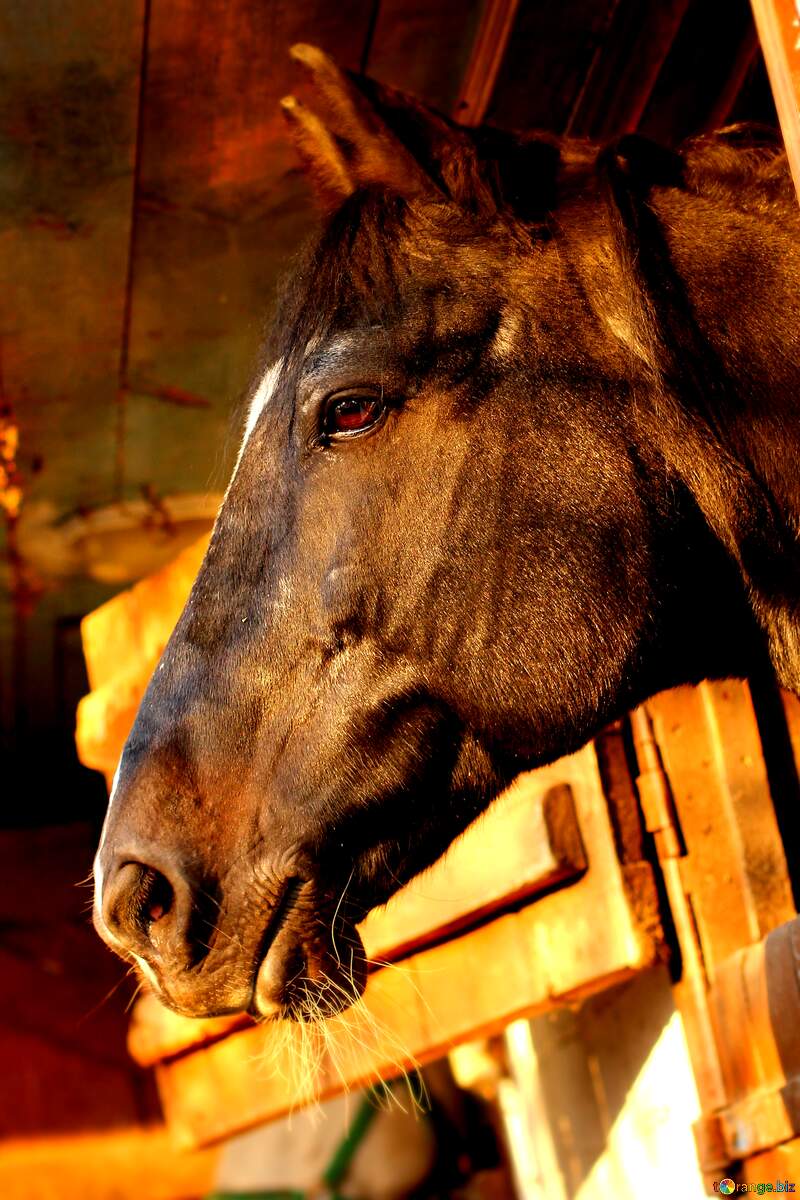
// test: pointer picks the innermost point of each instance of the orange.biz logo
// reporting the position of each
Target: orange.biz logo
(727, 1187)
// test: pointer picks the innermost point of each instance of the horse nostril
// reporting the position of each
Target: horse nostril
(136, 899)
(157, 896)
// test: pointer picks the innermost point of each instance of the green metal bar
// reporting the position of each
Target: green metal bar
(338, 1166)
(280, 1194)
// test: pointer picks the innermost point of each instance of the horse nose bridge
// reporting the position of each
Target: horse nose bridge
(173, 810)
(155, 793)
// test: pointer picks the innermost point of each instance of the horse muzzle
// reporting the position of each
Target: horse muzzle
(289, 955)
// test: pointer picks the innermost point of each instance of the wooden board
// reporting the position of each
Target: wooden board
(221, 208)
(122, 642)
(755, 1005)
(734, 867)
(570, 942)
(777, 24)
(528, 841)
(130, 1163)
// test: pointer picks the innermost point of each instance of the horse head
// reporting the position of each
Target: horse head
(448, 552)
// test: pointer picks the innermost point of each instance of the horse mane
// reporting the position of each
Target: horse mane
(744, 165)
(516, 185)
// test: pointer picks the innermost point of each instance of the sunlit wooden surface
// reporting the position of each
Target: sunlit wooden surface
(136, 1163)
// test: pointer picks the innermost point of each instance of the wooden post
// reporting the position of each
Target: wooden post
(778, 25)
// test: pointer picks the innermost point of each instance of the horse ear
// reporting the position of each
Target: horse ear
(351, 146)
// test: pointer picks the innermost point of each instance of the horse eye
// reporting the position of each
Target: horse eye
(352, 412)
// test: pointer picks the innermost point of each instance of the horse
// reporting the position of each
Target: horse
(522, 450)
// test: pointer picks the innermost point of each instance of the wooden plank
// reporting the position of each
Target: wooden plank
(424, 48)
(549, 52)
(742, 771)
(126, 636)
(465, 883)
(625, 67)
(740, 1007)
(708, 738)
(157, 1034)
(777, 25)
(618, 1094)
(566, 944)
(778, 714)
(122, 643)
(483, 68)
(221, 207)
(791, 705)
(725, 918)
(130, 1163)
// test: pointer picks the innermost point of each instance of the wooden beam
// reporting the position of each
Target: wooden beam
(531, 829)
(733, 866)
(221, 207)
(706, 792)
(778, 25)
(625, 68)
(485, 62)
(129, 1163)
(755, 1005)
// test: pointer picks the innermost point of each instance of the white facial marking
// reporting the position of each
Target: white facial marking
(148, 972)
(504, 343)
(624, 333)
(97, 869)
(261, 397)
(283, 599)
(266, 388)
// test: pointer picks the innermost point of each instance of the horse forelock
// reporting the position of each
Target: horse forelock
(376, 252)
(379, 248)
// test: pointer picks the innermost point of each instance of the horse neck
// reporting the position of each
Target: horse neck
(741, 271)
(733, 374)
